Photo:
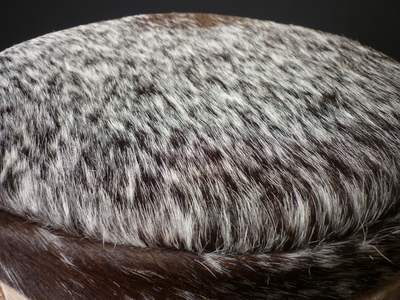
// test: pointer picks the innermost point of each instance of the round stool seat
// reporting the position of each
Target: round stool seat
(191, 156)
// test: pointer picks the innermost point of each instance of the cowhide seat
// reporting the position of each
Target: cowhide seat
(189, 156)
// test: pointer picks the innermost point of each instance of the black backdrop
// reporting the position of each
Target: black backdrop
(373, 23)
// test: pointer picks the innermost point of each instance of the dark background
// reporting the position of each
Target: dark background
(373, 23)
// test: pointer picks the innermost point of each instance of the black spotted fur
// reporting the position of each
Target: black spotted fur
(192, 156)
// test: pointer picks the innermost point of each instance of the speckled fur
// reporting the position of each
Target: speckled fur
(237, 159)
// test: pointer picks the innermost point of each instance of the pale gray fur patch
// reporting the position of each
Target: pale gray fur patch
(237, 137)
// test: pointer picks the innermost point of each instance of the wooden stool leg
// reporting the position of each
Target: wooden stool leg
(388, 291)
(8, 293)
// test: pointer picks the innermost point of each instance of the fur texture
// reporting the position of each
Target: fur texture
(199, 157)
